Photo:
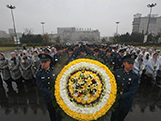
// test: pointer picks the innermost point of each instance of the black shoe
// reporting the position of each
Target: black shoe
(1, 86)
(159, 83)
(11, 92)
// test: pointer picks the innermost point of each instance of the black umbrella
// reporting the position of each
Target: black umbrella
(24, 45)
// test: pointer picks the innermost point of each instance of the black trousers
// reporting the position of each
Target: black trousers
(1, 82)
(54, 115)
(19, 83)
(29, 83)
(158, 80)
(120, 113)
(9, 84)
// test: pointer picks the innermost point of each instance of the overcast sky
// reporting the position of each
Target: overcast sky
(94, 14)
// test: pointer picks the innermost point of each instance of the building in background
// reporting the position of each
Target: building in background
(3, 34)
(73, 34)
(140, 24)
(11, 33)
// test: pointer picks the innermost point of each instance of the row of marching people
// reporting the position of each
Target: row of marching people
(18, 70)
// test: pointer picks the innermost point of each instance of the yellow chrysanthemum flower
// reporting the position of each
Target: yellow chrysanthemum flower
(85, 87)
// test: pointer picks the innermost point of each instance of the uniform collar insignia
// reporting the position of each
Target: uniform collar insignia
(52, 67)
(42, 77)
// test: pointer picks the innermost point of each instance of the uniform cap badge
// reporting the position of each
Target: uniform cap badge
(43, 56)
(132, 56)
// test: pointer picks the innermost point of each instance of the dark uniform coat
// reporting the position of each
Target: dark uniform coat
(108, 60)
(128, 82)
(45, 79)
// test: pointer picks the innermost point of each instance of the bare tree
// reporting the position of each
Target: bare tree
(28, 31)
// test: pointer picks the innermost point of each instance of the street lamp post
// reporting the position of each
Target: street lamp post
(43, 27)
(146, 34)
(117, 27)
(14, 27)
(116, 35)
(149, 6)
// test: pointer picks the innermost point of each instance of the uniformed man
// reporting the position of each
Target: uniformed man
(114, 53)
(59, 60)
(83, 53)
(70, 55)
(96, 53)
(102, 52)
(44, 79)
(90, 48)
(108, 58)
(128, 82)
(119, 58)
(76, 52)
(57, 56)
(115, 56)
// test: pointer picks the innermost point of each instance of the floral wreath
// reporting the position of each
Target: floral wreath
(85, 89)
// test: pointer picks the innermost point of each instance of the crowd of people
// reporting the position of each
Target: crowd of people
(24, 64)
(40, 66)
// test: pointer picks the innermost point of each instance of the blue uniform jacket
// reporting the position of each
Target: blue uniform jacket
(45, 79)
(119, 61)
(108, 60)
(128, 81)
